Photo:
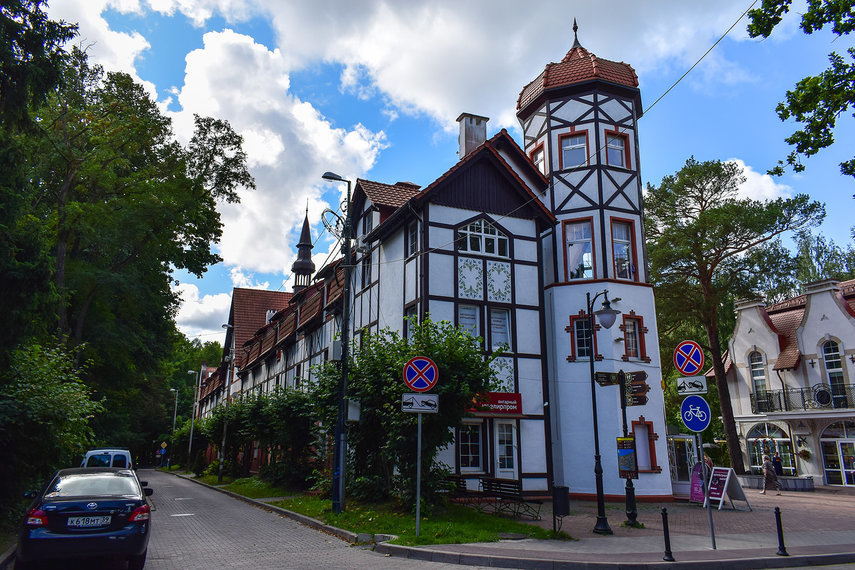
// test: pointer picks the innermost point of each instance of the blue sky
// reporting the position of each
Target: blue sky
(371, 89)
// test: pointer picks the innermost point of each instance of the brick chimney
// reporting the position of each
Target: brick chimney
(473, 132)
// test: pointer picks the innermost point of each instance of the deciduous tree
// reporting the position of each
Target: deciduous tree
(706, 246)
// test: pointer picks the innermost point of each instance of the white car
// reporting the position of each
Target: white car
(108, 457)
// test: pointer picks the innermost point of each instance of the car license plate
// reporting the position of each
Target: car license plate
(86, 522)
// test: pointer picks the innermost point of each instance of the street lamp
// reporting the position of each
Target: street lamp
(174, 415)
(193, 416)
(227, 386)
(340, 441)
(606, 316)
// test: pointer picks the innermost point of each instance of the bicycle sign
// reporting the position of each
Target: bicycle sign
(689, 358)
(695, 413)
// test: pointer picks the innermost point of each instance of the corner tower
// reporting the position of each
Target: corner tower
(579, 121)
(303, 268)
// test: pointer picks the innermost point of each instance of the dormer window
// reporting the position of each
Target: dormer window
(482, 237)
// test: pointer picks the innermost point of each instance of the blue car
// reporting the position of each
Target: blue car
(96, 512)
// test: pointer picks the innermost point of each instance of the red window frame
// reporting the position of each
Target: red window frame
(571, 329)
(640, 330)
(564, 225)
(538, 148)
(652, 437)
(573, 133)
(626, 162)
(632, 248)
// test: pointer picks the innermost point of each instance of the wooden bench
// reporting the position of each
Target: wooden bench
(454, 486)
(506, 496)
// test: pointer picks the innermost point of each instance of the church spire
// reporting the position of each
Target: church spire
(576, 43)
(303, 267)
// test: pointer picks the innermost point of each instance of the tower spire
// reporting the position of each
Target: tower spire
(303, 267)
(576, 43)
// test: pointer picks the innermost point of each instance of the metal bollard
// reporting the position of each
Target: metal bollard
(668, 557)
(782, 550)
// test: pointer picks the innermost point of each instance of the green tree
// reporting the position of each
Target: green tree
(821, 258)
(707, 246)
(44, 417)
(382, 447)
(817, 101)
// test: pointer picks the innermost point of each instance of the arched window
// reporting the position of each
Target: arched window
(767, 439)
(838, 453)
(834, 372)
(482, 237)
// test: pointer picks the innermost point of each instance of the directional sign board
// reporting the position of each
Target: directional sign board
(695, 413)
(420, 374)
(688, 358)
(692, 385)
(420, 403)
(606, 378)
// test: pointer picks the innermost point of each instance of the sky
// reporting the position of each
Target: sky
(371, 89)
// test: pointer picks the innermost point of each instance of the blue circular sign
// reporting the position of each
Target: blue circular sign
(695, 413)
(420, 374)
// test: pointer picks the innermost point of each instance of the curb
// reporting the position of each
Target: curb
(8, 557)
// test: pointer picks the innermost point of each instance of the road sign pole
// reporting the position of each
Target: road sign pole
(629, 488)
(707, 472)
(419, 477)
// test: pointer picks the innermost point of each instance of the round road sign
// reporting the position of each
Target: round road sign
(695, 413)
(420, 374)
(688, 358)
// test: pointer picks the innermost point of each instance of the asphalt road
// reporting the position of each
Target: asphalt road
(198, 528)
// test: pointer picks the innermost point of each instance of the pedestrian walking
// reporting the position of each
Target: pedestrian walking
(770, 478)
(779, 466)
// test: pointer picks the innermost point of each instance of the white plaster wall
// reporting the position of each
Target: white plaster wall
(533, 442)
(441, 273)
(525, 285)
(825, 319)
(528, 331)
(441, 311)
(530, 381)
(390, 267)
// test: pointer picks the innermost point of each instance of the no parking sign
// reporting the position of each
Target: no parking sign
(688, 358)
(420, 374)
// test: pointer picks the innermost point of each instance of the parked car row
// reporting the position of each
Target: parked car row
(97, 510)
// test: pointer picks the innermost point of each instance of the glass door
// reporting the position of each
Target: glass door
(506, 450)
(838, 458)
(847, 456)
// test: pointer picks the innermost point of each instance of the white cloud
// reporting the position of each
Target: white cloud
(201, 316)
(759, 186)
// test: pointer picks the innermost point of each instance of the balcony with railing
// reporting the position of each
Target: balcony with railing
(817, 397)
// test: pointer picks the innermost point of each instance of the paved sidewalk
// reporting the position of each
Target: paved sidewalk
(819, 528)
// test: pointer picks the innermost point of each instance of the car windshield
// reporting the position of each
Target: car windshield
(102, 484)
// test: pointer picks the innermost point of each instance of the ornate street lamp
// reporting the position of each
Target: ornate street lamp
(606, 316)
(340, 440)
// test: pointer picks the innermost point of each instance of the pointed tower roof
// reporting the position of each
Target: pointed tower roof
(304, 267)
(578, 66)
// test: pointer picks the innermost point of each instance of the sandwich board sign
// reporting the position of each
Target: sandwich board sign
(723, 483)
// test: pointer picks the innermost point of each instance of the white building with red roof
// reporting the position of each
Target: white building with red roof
(791, 374)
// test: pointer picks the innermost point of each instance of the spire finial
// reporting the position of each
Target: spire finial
(576, 43)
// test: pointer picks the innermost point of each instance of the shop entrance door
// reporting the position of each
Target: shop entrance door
(839, 461)
(506, 450)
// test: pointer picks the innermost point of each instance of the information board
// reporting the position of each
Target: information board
(723, 483)
(627, 462)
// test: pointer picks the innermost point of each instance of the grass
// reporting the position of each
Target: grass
(256, 488)
(213, 480)
(452, 524)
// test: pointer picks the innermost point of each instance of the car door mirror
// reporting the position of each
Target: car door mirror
(148, 491)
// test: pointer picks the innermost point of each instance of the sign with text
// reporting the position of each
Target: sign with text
(498, 403)
(606, 378)
(627, 461)
(723, 483)
(696, 492)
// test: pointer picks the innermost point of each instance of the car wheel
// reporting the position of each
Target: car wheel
(137, 562)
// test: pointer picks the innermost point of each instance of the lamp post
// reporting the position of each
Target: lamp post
(606, 316)
(340, 440)
(227, 386)
(193, 416)
(174, 415)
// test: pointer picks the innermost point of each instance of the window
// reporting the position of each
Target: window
(630, 338)
(467, 319)
(367, 222)
(482, 237)
(366, 270)
(505, 443)
(582, 337)
(574, 150)
(500, 326)
(412, 238)
(645, 445)
(623, 250)
(834, 370)
(538, 157)
(768, 439)
(411, 319)
(580, 252)
(758, 372)
(617, 153)
(469, 444)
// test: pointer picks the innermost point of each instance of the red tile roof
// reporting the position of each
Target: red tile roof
(249, 313)
(392, 195)
(578, 66)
